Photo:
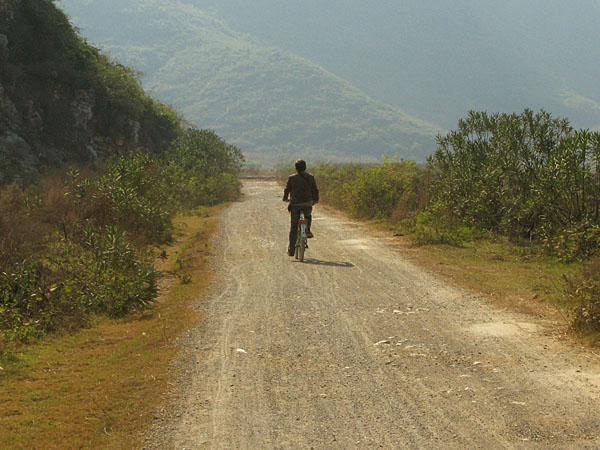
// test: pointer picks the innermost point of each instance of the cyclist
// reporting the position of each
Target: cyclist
(302, 193)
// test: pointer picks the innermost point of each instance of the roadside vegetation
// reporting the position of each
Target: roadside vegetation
(105, 224)
(100, 387)
(76, 245)
(529, 181)
(110, 167)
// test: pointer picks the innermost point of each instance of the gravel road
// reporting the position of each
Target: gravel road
(357, 348)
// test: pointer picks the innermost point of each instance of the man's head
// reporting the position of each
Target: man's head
(300, 165)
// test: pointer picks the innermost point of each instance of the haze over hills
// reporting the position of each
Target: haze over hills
(265, 100)
(437, 59)
(345, 78)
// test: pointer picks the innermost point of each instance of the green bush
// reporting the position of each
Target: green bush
(576, 242)
(76, 245)
(29, 302)
(105, 274)
(393, 189)
(584, 293)
(526, 176)
(131, 194)
(202, 169)
(437, 226)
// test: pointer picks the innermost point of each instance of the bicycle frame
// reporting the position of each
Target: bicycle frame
(301, 238)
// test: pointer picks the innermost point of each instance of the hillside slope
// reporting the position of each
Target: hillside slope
(438, 59)
(62, 101)
(265, 100)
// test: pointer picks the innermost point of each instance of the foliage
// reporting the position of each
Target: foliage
(436, 226)
(203, 168)
(584, 293)
(526, 176)
(76, 245)
(393, 189)
(130, 194)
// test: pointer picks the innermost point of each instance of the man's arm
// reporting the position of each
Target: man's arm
(315, 190)
(286, 192)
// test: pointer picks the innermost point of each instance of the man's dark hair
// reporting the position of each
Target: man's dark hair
(300, 165)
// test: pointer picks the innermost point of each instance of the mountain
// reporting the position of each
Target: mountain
(266, 100)
(437, 59)
(62, 101)
(349, 77)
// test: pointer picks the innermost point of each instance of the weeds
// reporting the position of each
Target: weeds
(76, 245)
(584, 294)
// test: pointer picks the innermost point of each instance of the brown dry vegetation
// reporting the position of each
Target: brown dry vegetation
(99, 387)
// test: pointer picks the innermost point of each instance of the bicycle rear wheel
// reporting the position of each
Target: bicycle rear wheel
(301, 238)
(301, 242)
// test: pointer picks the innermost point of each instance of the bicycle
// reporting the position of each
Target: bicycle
(301, 238)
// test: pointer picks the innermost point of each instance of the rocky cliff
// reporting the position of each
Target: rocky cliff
(62, 101)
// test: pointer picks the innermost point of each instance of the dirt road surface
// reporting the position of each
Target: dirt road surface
(357, 348)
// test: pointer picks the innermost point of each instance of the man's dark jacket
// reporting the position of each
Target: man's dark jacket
(301, 188)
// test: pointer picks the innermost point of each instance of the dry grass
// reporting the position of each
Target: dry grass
(503, 272)
(100, 387)
(526, 284)
(533, 285)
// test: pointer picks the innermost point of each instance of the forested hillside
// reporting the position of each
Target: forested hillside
(77, 238)
(436, 59)
(265, 100)
(61, 100)
(433, 60)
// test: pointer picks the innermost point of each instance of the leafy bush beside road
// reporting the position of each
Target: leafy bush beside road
(527, 177)
(75, 245)
(584, 295)
(393, 189)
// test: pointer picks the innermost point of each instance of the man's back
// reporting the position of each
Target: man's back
(302, 188)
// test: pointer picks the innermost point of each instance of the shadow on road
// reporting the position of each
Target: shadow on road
(318, 262)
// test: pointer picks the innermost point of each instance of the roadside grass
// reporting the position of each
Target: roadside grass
(502, 271)
(509, 278)
(100, 387)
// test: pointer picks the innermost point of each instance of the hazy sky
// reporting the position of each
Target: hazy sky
(438, 57)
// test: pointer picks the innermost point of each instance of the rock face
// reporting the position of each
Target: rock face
(9, 116)
(3, 47)
(16, 159)
(82, 108)
(56, 106)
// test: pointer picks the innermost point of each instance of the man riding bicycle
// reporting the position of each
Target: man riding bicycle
(302, 193)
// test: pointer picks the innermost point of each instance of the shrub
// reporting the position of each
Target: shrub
(202, 169)
(29, 302)
(106, 274)
(576, 242)
(584, 294)
(526, 176)
(76, 245)
(391, 189)
(437, 226)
